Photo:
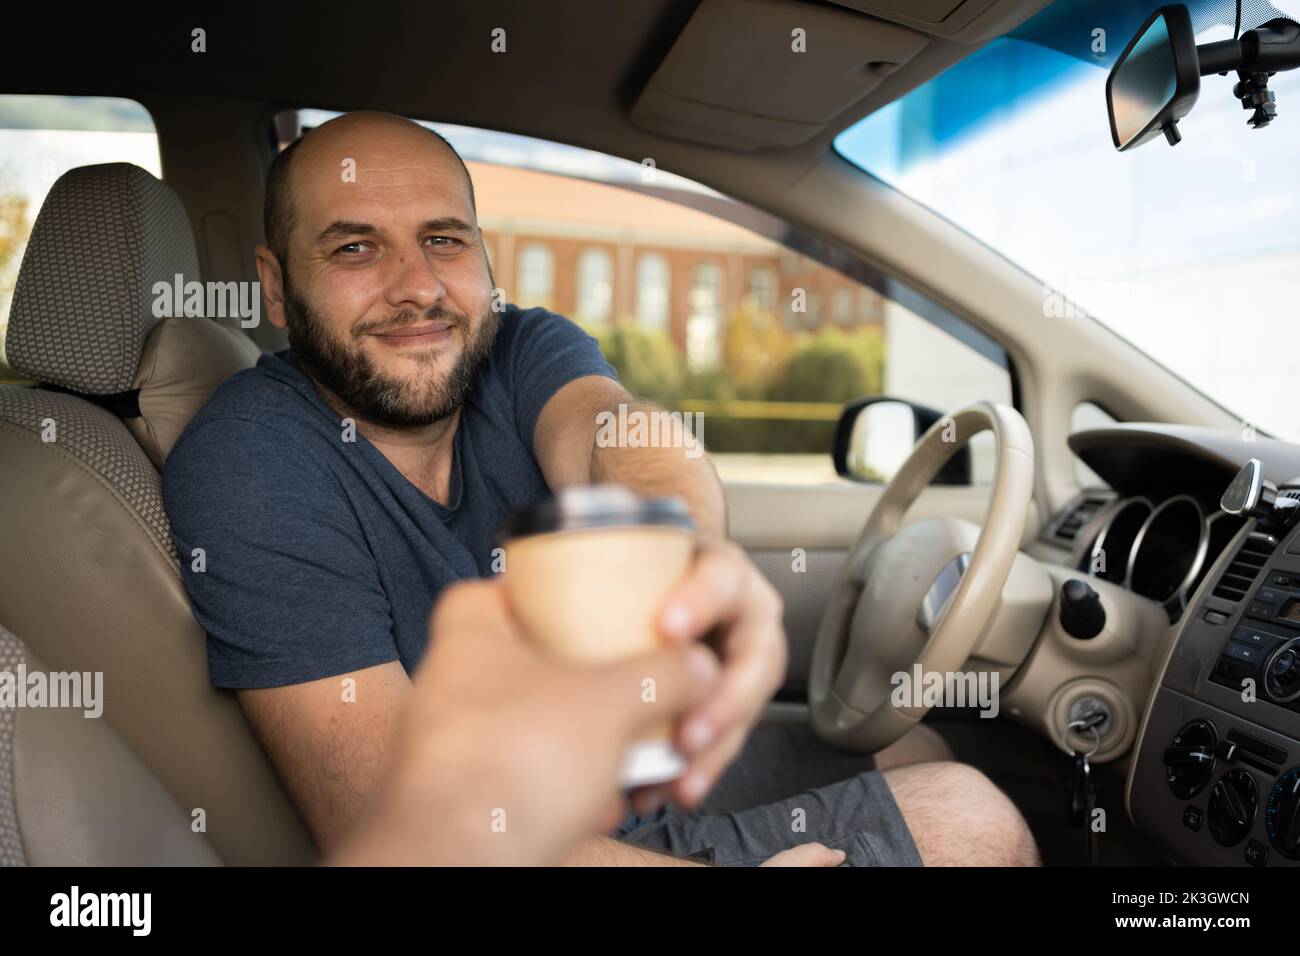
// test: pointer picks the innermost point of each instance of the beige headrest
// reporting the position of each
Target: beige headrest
(183, 363)
(84, 297)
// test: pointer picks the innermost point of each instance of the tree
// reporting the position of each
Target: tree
(754, 348)
(829, 366)
(832, 366)
(648, 363)
(15, 227)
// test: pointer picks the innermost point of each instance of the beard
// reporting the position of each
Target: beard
(341, 366)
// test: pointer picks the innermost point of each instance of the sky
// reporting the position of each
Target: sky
(1192, 252)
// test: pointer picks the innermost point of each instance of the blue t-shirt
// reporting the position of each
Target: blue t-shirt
(319, 556)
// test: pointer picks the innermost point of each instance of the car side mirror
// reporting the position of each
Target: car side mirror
(875, 434)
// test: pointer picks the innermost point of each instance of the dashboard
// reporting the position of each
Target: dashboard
(1215, 774)
(1158, 529)
(1157, 545)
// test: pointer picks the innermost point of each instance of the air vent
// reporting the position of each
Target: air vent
(1293, 493)
(1236, 581)
(1076, 516)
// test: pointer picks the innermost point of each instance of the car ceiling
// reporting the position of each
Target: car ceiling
(572, 72)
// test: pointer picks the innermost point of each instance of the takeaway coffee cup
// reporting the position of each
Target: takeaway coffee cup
(587, 573)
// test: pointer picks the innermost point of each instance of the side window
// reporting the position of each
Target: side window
(761, 341)
(925, 362)
(41, 138)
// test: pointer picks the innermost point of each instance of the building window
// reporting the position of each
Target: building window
(842, 306)
(814, 316)
(869, 306)
(704, 324)
(762, 288)
(536, 277)
(595, 285)
(652, 291)
(789, 317)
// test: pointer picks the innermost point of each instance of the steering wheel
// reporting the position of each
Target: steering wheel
(920, 595)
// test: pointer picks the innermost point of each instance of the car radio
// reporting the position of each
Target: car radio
(1265, 649)
(1216, 780)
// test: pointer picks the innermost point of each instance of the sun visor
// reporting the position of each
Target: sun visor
(748, 74)
(966, 21)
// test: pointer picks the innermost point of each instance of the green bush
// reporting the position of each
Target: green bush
(831, 366)
(648, 363)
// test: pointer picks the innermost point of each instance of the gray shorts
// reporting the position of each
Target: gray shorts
(858, 815)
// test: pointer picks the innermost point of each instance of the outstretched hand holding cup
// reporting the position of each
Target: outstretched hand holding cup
(531, 716)
(507, 755)
(586, 573)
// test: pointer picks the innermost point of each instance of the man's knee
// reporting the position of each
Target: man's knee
(957, 817)
(921, 744)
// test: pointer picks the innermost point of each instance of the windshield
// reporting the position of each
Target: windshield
(1192, 253)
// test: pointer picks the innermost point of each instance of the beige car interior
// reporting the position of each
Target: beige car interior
(95, 584)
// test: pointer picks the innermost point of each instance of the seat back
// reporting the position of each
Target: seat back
(89, 575)
(71, 792)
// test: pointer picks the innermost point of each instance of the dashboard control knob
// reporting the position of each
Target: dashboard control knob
(1282, 815)
(1082, 615)
(1190, 759)
(1233, 803)
(1282, 672)
(1286, 666)
(1188, 756)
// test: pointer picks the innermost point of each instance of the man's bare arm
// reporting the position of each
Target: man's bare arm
(569, 454)
(725, 599)
(603, 851)
(330, 741)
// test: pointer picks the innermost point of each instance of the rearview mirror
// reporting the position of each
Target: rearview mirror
(1155, 81)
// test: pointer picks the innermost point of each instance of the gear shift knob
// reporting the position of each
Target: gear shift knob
(1250, 494)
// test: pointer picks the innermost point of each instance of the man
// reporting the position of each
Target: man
(338, 487)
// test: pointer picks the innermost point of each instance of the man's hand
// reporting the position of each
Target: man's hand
(509, 756)
(807, 854)
(726, 598)
(724, 593)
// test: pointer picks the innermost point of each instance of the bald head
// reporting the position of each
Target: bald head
(371, 140)
(376, 268)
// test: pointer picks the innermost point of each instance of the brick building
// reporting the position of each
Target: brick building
(605, 254)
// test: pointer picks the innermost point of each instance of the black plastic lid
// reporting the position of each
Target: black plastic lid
(595, 506)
